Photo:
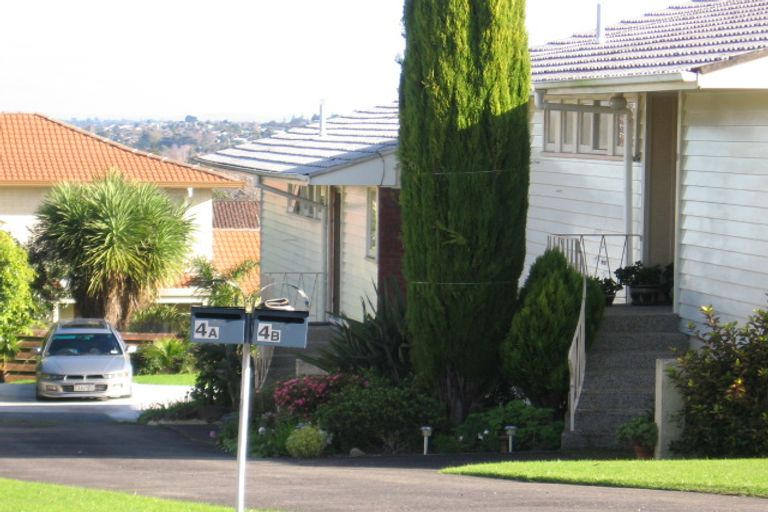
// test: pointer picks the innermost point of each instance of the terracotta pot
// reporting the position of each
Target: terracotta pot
(643, 452)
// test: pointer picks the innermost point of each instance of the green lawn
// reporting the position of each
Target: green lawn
(747, 477)
(176, 379)
(34, 497)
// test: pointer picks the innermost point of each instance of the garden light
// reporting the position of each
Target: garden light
(426, 432)
(510, 430)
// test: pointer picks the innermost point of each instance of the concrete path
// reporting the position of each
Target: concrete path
(70, 446)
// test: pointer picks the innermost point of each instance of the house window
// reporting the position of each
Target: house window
(588, 133)
(372, 223)
(313, 197)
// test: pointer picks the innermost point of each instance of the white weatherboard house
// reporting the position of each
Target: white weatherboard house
(326, 191)
(694, 79)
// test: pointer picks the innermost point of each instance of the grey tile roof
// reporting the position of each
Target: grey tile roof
(349, 139)
(683, 37)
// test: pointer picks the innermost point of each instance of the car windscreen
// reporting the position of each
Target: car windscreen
(90, 344)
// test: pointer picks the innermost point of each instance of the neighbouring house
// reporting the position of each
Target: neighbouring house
(656, 134)
(236, 238)
(328, 193)
(37, 152)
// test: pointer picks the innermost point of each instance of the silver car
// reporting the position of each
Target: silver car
(84, 358)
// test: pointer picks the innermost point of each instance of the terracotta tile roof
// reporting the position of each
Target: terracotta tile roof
(356, 137)
(232, 247)
(37, 150)
(236, 214)
(683, 37)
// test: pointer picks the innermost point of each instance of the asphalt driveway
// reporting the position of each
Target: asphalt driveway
(90, 449)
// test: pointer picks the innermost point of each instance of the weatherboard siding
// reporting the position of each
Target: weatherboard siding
(723, 252)
(358, 272)
(575, 195)
(291, 243)
(19, 206)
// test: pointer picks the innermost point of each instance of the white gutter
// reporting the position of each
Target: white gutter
(618, 105)
(636, 83)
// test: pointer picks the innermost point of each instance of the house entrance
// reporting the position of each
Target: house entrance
(660, 185)
(334, 250)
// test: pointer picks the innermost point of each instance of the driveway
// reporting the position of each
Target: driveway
(20, 399)
(90, 450)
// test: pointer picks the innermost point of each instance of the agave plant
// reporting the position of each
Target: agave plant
(379, 342)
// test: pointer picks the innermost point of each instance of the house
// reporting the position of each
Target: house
(37, 152)
(330, 217)
(656, 134)
(237, 238)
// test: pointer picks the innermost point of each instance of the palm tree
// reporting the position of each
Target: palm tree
(119, 242)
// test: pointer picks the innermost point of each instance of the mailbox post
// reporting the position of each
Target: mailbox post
(264, 327)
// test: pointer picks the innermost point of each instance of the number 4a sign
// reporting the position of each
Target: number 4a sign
(266, 334)
(205, 331)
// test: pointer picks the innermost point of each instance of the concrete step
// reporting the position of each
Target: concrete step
(643, 341)
(626, 360)
(615, 400)
(623, 318)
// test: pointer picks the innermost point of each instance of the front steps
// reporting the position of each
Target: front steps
(620, 377)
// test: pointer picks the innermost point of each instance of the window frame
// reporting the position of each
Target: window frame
(372, 223)
(306, 200)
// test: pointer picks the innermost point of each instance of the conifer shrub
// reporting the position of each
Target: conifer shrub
(535, 352)
(724, 385)
(306, 442)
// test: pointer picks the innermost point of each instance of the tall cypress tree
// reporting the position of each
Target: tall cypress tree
(464, 151)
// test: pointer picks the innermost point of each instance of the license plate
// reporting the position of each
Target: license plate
(85, 387)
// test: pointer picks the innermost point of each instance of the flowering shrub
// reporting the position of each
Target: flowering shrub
(302, 395)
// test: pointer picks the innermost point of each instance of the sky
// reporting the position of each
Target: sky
(225, 59)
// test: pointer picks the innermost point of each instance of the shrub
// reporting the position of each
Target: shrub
(16, 301)
(218, 379)
(161, 318)
(595, 308)
(535, 353)
(536, 430)
(641, 431)
(725, 389)
(379, 342)
(378, 417)
(167, 355)
(267, 438)
(302, 396)
(306, 442)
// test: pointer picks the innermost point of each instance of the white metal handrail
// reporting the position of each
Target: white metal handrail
(573, 250)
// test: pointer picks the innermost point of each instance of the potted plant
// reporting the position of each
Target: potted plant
(642, 433)
(609, 287)
(646, 285)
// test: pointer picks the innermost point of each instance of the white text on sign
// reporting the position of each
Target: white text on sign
(265, 333)
(205, 332)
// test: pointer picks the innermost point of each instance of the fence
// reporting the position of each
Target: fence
(24, 365)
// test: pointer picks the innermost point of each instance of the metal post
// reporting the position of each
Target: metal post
(245, 407)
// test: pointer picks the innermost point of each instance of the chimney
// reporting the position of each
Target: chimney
(322, 119)
(600, 27)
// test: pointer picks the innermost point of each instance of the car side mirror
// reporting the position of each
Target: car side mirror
(132, 349)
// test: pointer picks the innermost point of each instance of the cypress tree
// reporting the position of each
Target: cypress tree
(464, 152)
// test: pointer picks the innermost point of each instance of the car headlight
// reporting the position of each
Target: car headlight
(116, 375)
(51, 376)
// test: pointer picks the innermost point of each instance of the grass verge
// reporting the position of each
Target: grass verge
(745, 477)
(174, 379)
(20, 496)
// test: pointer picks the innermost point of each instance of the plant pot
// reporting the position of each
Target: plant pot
(643, 452)
(645, 295)
(609, 299)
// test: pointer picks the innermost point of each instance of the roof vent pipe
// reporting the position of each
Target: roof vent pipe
(322, 119)
(600, 26)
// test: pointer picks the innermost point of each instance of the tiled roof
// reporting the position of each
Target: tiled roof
(348, 139)
(683, 37)
(232, 247)
(236, 214)
(37, 150)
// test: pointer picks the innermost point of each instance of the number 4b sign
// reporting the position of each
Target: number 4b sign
(277, 327)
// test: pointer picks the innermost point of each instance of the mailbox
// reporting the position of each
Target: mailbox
(279, 328)
(218, 325)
